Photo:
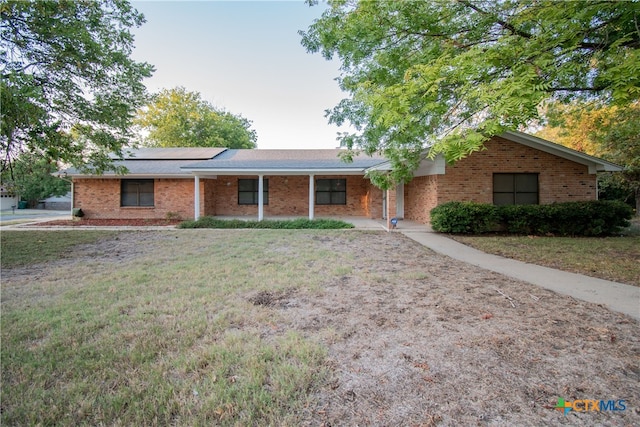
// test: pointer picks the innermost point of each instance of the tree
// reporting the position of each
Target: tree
(69, 88)
(32, 178)
(430, 77)
(179, 118)
(610, 132)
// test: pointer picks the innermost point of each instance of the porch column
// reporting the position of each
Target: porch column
(391, 207)
(312, 194)
(196, 198)
(260, 197)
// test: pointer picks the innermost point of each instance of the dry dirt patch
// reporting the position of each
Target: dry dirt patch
(416, 338)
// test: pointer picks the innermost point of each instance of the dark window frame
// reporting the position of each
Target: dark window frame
(516, 190)
(252, 193)
(138, 188)
(336, 193)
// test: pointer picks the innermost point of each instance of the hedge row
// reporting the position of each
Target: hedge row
(592, 218)
(299, 223)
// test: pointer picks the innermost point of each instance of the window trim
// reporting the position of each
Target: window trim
(515, 191)
(331, 191)
(138, 204)
(254, 192)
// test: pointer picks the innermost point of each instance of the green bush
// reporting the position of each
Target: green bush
(299, 223)
(589, 218)
(464, 217)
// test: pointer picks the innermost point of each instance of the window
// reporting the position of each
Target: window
(331, 192)
(248, 191)
(136, 192)
(515, 189)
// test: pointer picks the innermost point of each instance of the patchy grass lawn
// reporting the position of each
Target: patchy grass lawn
(29, 247)
(293, 327)
(610, 258)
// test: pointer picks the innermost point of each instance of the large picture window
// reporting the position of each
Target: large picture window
(248, 191)
(515, 189)
(136, 192)
(331, 191)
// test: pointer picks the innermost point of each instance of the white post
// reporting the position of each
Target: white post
(311, 196)
(260, 198)
(196, 198)
(73, 190)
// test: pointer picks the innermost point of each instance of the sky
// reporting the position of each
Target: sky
(245, 57)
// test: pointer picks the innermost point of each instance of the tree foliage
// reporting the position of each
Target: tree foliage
(32, 178)
(610, 132)
(179, 118)
(68, 85)
(431, 77)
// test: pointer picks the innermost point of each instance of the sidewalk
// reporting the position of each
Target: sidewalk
(616, 296)
(32, 215)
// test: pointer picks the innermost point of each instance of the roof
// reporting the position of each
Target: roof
(283, 161)
(187, 162)
(155, 162)
(177, 153)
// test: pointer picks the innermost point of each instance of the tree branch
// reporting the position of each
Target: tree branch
(502, 23)
(576, 89)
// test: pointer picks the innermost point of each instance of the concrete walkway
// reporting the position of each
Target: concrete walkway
(616, 296)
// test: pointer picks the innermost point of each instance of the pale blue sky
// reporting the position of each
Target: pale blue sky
(245, 57)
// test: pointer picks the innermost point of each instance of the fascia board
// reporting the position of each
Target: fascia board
(273, 172)
(130, 176)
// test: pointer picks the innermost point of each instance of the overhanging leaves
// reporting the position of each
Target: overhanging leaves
(441, 77)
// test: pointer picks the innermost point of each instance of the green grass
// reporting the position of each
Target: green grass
(29, 247)
(610, 258)
(161, 338)
(293, 224)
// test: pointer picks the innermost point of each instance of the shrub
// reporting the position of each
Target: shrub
(464, 217)
(299, 223)
(589, 218)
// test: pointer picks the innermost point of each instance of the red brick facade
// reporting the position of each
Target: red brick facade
(288, 195)
(100, 198)
(420, 196)
(469, 179)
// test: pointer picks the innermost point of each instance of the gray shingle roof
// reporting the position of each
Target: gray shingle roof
(157, 162)
(150, 162)
(311, 160)
(177, 153)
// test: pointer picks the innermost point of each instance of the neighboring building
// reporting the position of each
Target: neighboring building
(192, 182)
(57, 203)
(8, 200)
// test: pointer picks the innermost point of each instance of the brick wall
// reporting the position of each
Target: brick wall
(289, 196)
(100, 198)
(373, 201)
(420, 196)
(471, 179)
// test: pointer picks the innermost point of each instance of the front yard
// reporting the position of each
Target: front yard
(295, 327)
(609, 258)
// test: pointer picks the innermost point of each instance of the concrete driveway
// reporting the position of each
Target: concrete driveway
(35, 215)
